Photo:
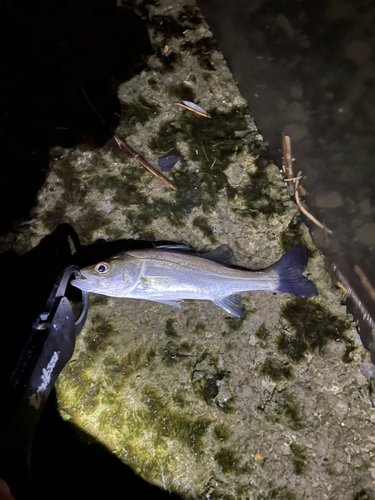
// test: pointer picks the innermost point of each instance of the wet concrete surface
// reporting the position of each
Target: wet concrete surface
(307, 70)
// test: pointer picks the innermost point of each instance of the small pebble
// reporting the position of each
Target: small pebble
(329, 200)
(366, 234)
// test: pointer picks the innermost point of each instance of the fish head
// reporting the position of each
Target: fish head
(113, 277)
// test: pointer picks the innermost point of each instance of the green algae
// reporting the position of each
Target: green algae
(169, 422)
(169, 329)
(169, 62)
(292, 412)
(202, 49)
(293, 234)
(157, 209)
(179, 398)
(314, 326)
(206, 388)
(256, 194)
(204, 227)
(117, 370)
(276, 370)
(233, 323)
(140, 109)
(300, 458)
(228, 460)
(221, 432)
(212, 145)
(371, 387)
(125, 191)
(262, 333)
(99, 335)
(86, 392)
(200, 328)
(98, 300)
(168, 27)
(282, 493)
(189, 17)
(181, 91)
(284, 408)
(363, 494)
(215, 142)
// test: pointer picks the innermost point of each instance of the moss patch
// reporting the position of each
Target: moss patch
(276, 370)
(117, 370)
(228, 460)
(169, 329)
(203, 51)
(282, 493)
(206, 388)
(215, 143)
(262, 333)
(314, 326)
(181, 91)
(99, 335)
(300, 458)
(140, 110)
(293, 234)
(222, 432)
(363, 494)
(204, 227)
(286, 408)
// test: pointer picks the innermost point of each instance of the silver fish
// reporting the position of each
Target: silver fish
(169, 274)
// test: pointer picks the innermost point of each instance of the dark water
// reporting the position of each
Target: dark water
(307, 70)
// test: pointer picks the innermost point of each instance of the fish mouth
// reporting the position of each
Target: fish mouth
(81, 283)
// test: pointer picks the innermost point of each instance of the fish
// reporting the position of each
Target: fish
(169, 274)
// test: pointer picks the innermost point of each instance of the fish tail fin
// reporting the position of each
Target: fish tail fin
(290, 268)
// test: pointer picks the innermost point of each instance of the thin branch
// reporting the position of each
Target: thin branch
(124, 146)
(288, 163)
(304, 210)
(292, 179)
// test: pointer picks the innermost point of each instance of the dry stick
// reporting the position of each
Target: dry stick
(122, 145)
(365, 282)
(288, 163)
(293, 182)
(304, 210)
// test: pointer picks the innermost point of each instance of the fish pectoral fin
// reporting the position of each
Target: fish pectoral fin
(222, 254)
(231, 304)
(168, 302)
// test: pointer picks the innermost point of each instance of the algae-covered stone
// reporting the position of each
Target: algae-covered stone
(272, 405)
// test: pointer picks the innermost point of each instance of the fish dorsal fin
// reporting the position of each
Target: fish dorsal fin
(181, 248)
(231, 304)
(222, 254)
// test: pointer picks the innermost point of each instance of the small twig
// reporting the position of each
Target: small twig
(365, 282)
(304, 210)
(204, 151)
(292, 179)
(343, 289)
(122, 144)
(288, 163)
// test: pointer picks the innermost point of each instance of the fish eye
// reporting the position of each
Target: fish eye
(102, 268)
